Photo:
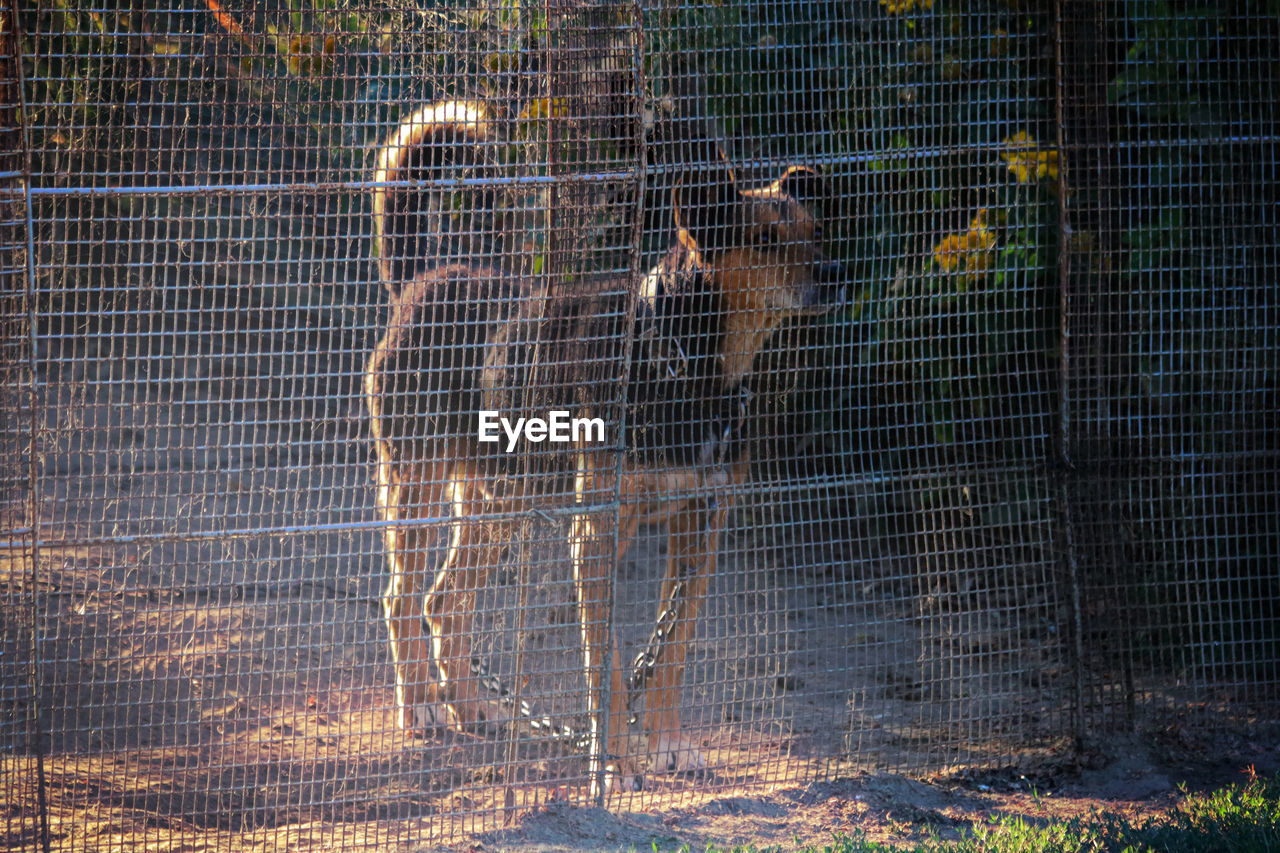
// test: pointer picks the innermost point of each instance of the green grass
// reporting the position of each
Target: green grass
(1238, 819)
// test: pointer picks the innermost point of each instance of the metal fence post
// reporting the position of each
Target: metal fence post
(18, 361)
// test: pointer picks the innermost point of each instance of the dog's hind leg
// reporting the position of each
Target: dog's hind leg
(409, 494)
(476, 545)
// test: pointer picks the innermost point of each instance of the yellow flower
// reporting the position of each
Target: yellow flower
(980, 236)
(1048, 164)
(978, 262)
(948, 253)
(1028, 162)
(1022, 157)
(970, 250)
(901, 7)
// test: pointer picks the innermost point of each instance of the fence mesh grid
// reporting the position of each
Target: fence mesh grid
(1015, 494)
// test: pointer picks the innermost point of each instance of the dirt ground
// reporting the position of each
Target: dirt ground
(210, 668)
(881, 807)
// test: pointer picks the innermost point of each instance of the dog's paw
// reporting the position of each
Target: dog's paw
(422, 719)
(676, 753)
(475, 717)
(619, 777)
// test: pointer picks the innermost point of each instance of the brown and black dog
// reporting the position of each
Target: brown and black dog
(472, 336)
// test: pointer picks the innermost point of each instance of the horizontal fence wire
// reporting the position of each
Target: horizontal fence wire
(917, 359)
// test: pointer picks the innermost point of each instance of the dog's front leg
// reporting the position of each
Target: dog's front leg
(692, 547)
(592, 545)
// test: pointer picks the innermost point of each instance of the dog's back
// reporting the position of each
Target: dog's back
(469, 339)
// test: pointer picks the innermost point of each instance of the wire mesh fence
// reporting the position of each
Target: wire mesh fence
(932, 350)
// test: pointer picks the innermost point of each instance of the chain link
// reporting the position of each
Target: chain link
(540, 724)
(642, 669)
(646, 662)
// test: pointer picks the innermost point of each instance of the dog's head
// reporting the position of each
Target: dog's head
(763, 246)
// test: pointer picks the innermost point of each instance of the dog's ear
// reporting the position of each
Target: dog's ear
(707, 207)
(803, 183)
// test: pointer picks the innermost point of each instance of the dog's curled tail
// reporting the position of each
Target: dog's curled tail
(416, 225)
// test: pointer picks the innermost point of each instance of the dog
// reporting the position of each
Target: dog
(468, 334)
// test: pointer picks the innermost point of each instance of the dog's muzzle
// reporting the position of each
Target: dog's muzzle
(831, 287)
